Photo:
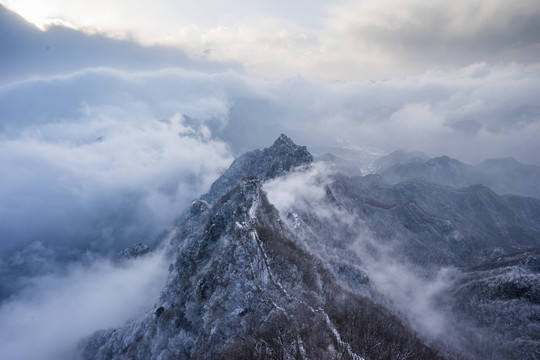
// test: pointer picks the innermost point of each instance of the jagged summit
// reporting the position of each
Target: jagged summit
(283, 140)
(283, 156)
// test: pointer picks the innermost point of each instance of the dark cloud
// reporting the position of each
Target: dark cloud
(29, 52)
(419, 35)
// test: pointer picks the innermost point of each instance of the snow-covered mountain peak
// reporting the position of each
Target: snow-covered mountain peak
(284, 140)
(246, 283)
(243, 284)
(282, 157)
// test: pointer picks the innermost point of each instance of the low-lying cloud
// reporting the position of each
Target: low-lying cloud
(104, 183)
(299, 186)
(409, 290)
(406, 289)
(100, 173)
(54, 312)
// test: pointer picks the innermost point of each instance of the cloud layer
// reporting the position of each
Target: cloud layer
(102, 169)
(105, 154)
(473, 113)
(50, 317)
(417, 35)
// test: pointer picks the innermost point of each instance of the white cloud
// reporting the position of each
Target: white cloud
(423, 112)
(298, 187)
(55, 312)
(408, 290)
(304, 188)
(129, 184)
(104, 169)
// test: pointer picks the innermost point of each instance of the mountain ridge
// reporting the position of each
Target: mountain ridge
(502, 175)
(247, 280)
(272, 296)
(264, 276)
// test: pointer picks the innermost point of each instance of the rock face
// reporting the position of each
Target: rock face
(249, 282)
(242, 286)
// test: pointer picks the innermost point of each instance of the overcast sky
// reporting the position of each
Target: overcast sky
(331, 40)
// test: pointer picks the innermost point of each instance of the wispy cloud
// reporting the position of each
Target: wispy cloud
(54, 312)
(408, 290)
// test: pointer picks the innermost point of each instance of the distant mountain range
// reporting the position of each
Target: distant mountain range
(504, 176)
(337, 273)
